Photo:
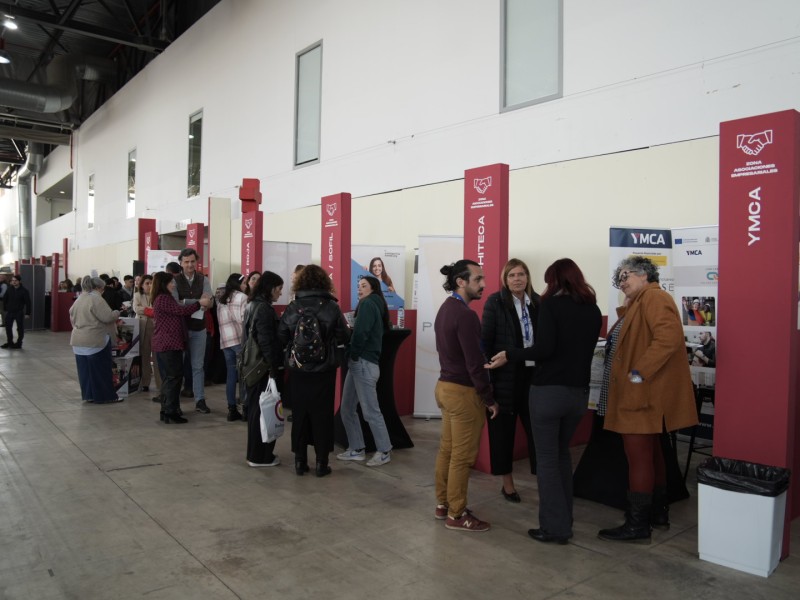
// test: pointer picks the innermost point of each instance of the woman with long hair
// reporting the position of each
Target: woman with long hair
(566, 335)
(93, 328)
(262, 320)
(509, 321)
(371, 322)
(378, 270)
(144, 311)
(249, 282)
(311, 383)
(230, 314)
(169, 341)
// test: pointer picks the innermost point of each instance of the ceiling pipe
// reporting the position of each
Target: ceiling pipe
(61, 90)
(25, 199)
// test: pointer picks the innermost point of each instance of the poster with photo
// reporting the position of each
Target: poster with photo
(387, 264)
(127, 340)
(157, 260)
(126, 373)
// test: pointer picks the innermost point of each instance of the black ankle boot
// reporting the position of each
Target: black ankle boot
(301, 466)
(323, 468)
(174, 418)
(637, 521)
(659, 514)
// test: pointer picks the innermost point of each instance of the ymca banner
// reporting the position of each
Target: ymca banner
(148, 237)
(655, 244)
(195, 239)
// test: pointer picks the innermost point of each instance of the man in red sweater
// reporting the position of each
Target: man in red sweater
(463, 393)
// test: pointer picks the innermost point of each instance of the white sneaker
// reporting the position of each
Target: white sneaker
(379, 458)
(275, 462)
(349, 454)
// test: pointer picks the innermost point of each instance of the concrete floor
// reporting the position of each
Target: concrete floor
(106, 502)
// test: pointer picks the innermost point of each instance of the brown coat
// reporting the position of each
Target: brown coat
(650, 341)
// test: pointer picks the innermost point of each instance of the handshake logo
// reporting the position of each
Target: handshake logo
(481, 185)
(753, 144)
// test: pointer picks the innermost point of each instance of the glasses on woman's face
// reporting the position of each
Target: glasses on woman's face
(623, 276)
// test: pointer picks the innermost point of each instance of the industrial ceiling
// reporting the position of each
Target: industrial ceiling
(68, 57)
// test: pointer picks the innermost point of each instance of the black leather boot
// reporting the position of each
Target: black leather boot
(659, 515)
(301, 465)
(322, 468)
(637, 521)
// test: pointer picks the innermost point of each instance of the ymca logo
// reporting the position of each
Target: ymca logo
(330, 209)
(481, 185)
(694, 253)
(248, 223)
(191, 233)
(648, 238)
(753, 144)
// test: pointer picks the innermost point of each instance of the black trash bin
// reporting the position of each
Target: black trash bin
(741, 509)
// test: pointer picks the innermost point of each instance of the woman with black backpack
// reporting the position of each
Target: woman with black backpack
(311, 329)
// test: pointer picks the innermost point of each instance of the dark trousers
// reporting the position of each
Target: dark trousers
(94, 376)
(171, 362)
(312, 416)
(19, 319)
(556, 412)
(257, 451)
(502, 432)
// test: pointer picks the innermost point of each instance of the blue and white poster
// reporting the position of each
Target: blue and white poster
(387, 264)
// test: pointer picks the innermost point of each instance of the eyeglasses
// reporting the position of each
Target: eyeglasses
(623, 276)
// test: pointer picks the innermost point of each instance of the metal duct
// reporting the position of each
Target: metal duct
(25, 199)
(61, 90)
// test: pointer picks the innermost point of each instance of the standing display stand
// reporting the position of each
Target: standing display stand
(392, 340)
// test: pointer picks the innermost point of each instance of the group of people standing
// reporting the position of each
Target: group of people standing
(530, 357)
(172, 309)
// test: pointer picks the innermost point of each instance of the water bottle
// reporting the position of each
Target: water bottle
(635, 377)
(401, 318)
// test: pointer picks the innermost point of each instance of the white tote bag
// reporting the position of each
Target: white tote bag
(271, 413)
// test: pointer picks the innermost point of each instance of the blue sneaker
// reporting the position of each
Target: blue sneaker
(350, 454)
(379, 458)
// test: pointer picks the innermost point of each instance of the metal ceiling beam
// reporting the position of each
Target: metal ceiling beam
(142, 43)
(33, 135)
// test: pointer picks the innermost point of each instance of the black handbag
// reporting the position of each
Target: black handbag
(251, 364)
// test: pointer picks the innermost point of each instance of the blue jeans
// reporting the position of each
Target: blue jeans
(359, 388)
(197, 351)
(231, 376)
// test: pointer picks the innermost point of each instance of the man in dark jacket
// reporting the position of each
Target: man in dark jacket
(17, 305)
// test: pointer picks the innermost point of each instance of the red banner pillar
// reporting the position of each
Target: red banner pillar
(756, 417)
(335, 246)
(65, 256)
(195, 234)
(252, 226)
(335, 256)
(148, 239)
(486, 242)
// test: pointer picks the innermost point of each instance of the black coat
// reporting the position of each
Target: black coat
(264, 321)
(331, 320)
(501, 330)
(17, 300)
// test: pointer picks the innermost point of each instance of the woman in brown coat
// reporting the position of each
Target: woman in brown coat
(647, 387)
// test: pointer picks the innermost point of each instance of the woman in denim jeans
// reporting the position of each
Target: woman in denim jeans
(230, 313)
(372, 320)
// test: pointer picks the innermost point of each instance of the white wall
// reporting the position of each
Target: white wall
(425, 75)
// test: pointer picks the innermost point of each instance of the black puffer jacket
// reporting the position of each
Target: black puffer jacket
(501, 330)
(264, 320)
(334, 328)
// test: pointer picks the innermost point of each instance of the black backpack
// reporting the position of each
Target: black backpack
(308, 344)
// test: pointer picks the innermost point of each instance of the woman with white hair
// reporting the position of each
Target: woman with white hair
(93, 324)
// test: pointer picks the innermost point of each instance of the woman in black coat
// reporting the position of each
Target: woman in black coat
(264, 322)
(508, 322)
(312, 381)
